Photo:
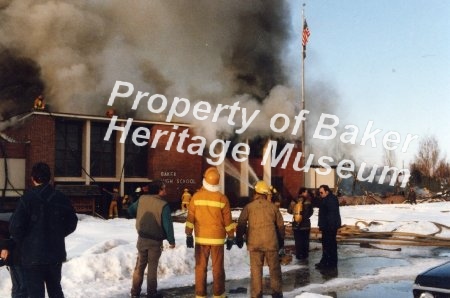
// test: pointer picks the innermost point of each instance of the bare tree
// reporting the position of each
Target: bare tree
(443, 172)
(428, 158)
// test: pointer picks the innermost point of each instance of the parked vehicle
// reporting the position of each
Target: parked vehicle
(433, 283)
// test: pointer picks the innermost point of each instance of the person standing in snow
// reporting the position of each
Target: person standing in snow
(113, 210)
(262, 224)
(209, 217)
(329, 223)
(153, 224)
(10, 256)
(43, 218)
(185, 199)
(412, 197)
(135, 196)
(302, 210)
(275, 196)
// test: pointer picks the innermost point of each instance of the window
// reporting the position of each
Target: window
(136, 158)
(103, 153)
(68, 151)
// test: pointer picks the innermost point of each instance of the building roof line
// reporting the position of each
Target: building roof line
(101, 118)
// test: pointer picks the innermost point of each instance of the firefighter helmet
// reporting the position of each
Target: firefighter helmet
(211, 179)
(186, 190)
(273, 189)
(212, 176)
(261, 187)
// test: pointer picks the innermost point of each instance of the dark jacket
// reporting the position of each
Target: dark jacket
(40, 223)
(329, 215)
(7, 243)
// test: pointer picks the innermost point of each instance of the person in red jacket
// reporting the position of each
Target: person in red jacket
(209, 217)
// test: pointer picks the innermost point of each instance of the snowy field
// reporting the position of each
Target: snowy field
(101, 254)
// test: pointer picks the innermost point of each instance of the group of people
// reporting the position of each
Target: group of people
(33, 240)
(118, 206)
(260, 224)
(210, 230)
(329, 222)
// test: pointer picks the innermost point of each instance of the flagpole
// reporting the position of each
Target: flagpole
(303, 98)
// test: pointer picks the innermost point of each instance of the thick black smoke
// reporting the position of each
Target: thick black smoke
(257, 51)
(208, 50)
(20, 84)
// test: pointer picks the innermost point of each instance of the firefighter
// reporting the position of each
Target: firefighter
(275, 196)
(185, 199)
(209, 217)
(135, 196)
(115, 198)
(39, 103)
(125, 203)
(302, 210)
(263, 227)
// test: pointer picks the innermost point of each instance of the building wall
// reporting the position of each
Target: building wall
(37, 133)
(13, 150)
(291, 180)
(178, 170)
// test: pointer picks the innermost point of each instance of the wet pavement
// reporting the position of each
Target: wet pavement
(304, 274)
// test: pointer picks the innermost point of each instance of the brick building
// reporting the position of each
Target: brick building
(74, 147)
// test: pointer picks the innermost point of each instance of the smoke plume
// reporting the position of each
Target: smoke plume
(216, 51)
(209, 50)
(20, 84)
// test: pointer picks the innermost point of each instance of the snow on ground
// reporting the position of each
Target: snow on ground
(101, 254)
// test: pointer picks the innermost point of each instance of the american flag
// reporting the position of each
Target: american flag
(305, 34)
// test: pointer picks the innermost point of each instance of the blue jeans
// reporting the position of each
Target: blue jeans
(38, 277)
(19, 289)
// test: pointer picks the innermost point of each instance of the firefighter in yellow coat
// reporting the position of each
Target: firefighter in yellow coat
(209, 217)
(185, 199)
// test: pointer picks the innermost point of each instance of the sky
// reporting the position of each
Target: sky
(101, 256)
(386, 62)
